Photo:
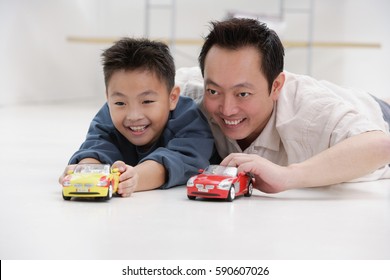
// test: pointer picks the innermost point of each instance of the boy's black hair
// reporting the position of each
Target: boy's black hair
(236, 33)
(139, 54)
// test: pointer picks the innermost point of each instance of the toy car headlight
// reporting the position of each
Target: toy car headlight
(225, 184)
(66, 183)
(190, 182)
(102, 183)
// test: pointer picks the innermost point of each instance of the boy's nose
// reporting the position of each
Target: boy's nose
(134, 114)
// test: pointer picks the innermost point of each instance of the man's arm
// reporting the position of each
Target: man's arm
(350, 159)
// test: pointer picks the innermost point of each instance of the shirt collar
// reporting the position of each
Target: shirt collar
(269, 138)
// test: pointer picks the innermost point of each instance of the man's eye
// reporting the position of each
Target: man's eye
(243, 94)
(212, 92)
(119, 103)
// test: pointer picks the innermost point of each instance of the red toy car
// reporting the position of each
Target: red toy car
(222, 182)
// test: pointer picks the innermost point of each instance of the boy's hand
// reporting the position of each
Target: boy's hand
(67, 169)
(73, 166)
(128, 180)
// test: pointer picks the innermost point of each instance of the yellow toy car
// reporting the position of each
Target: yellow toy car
(91, 180)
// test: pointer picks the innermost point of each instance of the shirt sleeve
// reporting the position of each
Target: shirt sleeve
(315, 115)
(188, 144)
(190, 81)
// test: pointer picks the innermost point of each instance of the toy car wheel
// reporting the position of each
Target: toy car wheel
(65, 197)
(109, 193)
(191, 197)
(232, 194)
(250, 190)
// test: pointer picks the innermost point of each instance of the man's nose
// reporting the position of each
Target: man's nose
(228, 107)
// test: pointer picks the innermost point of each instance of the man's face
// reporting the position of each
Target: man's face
(139, 105)
(237, 95)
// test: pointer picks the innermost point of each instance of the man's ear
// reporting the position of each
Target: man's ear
(277, 86)
(174, 97)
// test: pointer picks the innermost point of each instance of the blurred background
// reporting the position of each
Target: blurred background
(50, 50)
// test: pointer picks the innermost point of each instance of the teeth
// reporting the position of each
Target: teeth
(138, 128)
(236, 122)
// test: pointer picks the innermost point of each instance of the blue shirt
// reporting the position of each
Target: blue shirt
(185, 145)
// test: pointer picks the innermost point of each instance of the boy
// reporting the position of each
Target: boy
(290, 131)
(155, 137)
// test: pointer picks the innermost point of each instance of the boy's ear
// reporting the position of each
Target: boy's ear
(277, 86)
(174, 97)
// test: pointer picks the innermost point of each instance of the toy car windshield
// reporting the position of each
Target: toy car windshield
(92, 168)
(221, 170)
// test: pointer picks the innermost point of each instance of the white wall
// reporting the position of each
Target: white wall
(38, 64)
(353, 21)
(36, 61)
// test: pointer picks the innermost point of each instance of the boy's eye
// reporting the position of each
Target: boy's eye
(147, 101)
(119, 103)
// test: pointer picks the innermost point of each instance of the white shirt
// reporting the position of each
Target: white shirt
(309, 117)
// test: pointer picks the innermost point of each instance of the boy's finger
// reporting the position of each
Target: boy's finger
(126, 188)
(120, 165)
(70, 167)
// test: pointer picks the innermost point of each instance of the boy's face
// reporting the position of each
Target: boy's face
(139, 105)
(236, 92)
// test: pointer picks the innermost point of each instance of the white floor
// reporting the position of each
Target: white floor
(349, 221)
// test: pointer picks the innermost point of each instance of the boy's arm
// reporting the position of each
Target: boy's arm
(151, 175)
(100, 140)
(148, 175)
(188, 144)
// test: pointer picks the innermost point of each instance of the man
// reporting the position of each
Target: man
(290, 131)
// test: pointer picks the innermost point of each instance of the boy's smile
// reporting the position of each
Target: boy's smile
(139, 105)
(138, 129)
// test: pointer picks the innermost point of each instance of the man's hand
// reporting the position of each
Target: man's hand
(269, 177)
(349, 159)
